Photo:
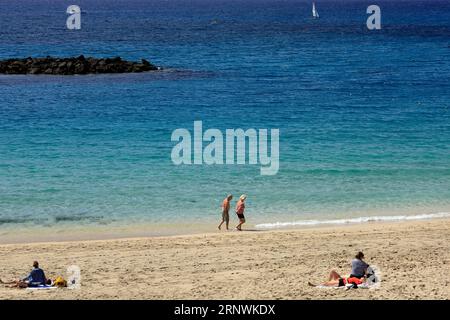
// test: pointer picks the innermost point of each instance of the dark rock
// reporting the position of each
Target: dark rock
(70, 66)
(35, 71)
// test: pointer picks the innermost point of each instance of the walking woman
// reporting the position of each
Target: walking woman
(240, 207)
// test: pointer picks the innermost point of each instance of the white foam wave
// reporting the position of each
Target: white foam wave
(277, 225)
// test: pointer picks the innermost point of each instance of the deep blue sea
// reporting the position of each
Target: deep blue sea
(364, 116)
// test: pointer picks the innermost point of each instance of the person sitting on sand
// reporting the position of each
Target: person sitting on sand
(359, 266)
(34, 279)
(226, 211)
(240, 207)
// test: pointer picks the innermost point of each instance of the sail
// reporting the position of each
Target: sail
(314, 11)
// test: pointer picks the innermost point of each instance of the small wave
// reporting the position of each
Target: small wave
(74, 218)
(51, 220)
(277, 225)
(11, 221)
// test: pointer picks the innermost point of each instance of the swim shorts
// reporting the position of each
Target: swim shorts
(225, 216)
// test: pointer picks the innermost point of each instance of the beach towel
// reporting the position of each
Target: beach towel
(347, 286)
(350, 286)
(41, 287)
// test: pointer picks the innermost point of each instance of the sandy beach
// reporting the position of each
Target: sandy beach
(413, 258)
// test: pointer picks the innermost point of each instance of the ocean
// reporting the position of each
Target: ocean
(363, 115)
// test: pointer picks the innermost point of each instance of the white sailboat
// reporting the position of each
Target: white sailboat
(314, 11)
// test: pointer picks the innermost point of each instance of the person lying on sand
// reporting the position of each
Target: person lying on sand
(226, 211)
(240, 207)
(34, 279)
(335, 280)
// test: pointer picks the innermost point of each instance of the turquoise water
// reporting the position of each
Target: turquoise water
(364, 116)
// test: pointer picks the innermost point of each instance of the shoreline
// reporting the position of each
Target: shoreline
(273, 264)
(315, 228)
(85, 232)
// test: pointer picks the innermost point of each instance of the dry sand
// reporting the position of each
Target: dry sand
(414, 259)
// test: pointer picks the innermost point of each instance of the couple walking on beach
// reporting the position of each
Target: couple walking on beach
(240, 207)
